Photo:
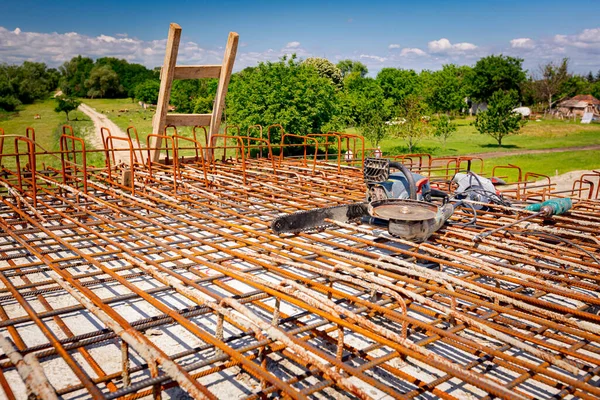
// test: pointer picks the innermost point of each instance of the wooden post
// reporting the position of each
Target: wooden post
(171, 71)
(225, 76)
(166, 81)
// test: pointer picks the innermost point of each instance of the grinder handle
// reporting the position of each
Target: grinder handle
(412, 186)
(444, 213)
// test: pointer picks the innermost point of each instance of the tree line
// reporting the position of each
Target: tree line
(107, 77)
(313, 95)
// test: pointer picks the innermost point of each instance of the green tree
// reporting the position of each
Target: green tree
(552, 77)
(372, 110)
(326, 69)
(445, 90)
(148, 91)
(590, 77)
(103, 82)
(185, 93)
(9, 84)
(66, 104)
(595, 89)
(499, 120)
(25, 83)
(53, 78)
(204, 105)
(443, 128)
(347, 67)
(360, 97)
(130, 75)
(74, 74)
(574, 85)
(410, 123)
(398, 83)
(493, 73)
(373, 127)
(284, 92)
(34, 82)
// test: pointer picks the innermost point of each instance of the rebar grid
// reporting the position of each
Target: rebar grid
(175, 280)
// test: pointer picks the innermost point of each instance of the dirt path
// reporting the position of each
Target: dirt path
(100, 120)
(538, 151)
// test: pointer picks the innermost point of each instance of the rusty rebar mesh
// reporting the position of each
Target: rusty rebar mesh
(181, 285)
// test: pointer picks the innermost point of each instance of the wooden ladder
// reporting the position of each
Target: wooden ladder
(171, 71)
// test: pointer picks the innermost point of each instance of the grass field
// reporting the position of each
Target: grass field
(535, 135)
(124, 113)
(47, 129)
(550, 164)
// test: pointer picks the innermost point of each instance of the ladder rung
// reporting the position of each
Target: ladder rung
(197, 71)
(188, 119)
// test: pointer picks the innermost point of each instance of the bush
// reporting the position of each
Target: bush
(9, 103)
(147, 91)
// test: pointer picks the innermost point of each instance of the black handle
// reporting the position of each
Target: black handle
(438, 193)
(412, 186)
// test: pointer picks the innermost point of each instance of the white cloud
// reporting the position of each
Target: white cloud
(408, 51)
(372, 57)
(522, 43)
(108, 39)
(443, 46)
(55, 48)
(582, 48)
(590, 35)
(587, 39)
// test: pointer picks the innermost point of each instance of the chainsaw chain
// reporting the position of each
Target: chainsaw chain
(281, 224)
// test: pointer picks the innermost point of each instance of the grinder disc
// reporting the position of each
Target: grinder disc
(403, 210)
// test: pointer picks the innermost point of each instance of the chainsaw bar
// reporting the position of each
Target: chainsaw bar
(315, 219)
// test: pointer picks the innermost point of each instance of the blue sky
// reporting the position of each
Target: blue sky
(419, 35)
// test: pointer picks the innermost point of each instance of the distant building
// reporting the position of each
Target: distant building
(474, 107)
(579, 105)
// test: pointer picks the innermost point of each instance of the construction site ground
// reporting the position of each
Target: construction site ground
(165, 279)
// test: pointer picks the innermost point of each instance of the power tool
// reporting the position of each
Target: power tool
(400, 200)
(546, 209)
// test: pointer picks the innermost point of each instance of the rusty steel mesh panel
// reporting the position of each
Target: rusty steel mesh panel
(183, 287)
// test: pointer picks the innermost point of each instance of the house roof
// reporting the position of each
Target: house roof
(588, 98)
(574, 104)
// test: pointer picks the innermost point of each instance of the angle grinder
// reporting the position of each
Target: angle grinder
(409, 219)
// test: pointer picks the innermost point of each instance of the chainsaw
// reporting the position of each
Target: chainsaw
(399, 200)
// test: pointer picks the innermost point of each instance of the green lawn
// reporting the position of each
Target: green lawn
(535, 135)
(124, 113)
(550, 164)
(47, 129)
